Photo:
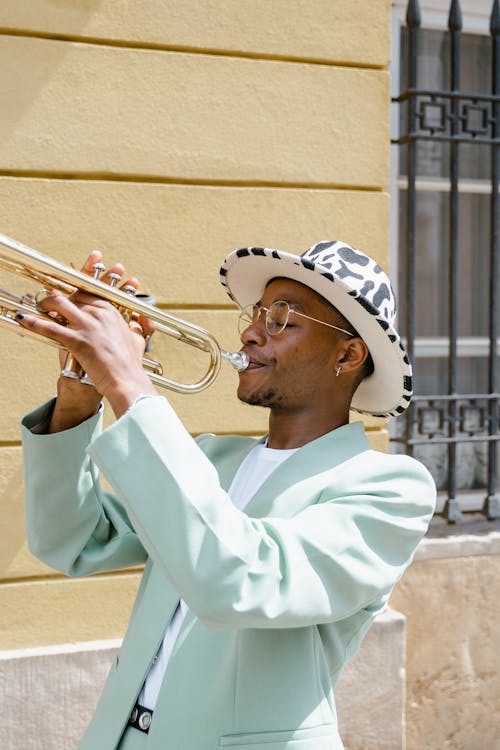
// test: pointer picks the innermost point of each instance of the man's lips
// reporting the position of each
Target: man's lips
(255, 364)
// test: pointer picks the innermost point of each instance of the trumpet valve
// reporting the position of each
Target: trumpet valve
(71, 368)
(98, 269)
(114, 278)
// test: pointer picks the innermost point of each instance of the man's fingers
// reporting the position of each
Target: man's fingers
(94, 257)
(142, 326)
(130, 282)
(45, 327)
(114, 274)
(147, 325)
(64, 306)
(136, 327)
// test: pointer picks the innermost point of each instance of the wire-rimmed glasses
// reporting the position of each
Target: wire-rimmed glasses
(276, 317)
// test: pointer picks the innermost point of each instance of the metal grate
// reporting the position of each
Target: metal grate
(453, 117)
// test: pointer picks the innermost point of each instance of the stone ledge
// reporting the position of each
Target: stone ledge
(108, 645)
(471, 538)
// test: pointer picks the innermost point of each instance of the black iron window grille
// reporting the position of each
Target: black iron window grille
(438, 125)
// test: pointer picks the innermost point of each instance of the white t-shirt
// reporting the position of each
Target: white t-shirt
(251, 475)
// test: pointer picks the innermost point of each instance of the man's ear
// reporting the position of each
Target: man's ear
(354, 353)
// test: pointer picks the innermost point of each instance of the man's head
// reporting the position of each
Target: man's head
(356, 296)
(301, 356)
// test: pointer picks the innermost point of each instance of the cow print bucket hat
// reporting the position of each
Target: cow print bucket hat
(354, 284)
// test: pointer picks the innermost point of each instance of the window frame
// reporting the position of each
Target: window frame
(475, 20)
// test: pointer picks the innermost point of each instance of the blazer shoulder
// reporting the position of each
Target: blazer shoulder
(392, 475)
(400, 463)
(371, 464)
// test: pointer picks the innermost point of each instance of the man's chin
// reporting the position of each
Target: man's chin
(258, 398)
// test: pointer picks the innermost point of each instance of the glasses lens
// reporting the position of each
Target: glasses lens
(277, 317)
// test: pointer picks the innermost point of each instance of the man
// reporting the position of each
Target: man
(266, 561)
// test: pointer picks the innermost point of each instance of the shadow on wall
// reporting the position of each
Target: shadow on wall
(11, 501)
(20, 81)
(15, 560)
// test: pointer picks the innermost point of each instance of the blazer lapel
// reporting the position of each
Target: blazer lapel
(272, 498)
(320, 455)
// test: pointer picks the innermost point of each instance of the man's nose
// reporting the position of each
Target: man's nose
(255, 333)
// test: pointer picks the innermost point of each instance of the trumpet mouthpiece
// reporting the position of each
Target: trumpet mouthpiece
(238, 360)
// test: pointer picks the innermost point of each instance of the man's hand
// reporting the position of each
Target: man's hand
(108, 349)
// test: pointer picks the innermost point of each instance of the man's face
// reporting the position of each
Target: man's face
(294, 369)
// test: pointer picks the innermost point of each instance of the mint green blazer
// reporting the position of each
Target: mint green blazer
(280, 595)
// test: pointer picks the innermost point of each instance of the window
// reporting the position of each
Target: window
(432, 239)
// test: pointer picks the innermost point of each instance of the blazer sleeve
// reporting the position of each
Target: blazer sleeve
(342, 553)
(72, 524)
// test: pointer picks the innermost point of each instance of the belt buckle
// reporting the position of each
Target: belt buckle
(141, 718)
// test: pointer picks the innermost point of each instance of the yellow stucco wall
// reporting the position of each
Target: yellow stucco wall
(167, 134)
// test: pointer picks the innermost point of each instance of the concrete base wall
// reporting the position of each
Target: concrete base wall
(48, 694)
(370, 696)
(450, 597)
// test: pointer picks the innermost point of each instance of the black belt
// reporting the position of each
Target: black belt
(140, 718)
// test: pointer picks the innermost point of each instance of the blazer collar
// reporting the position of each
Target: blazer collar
(323, 454)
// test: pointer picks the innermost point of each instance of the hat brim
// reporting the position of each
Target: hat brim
(387, 392)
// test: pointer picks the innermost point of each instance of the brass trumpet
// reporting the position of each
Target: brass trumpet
(52, 275)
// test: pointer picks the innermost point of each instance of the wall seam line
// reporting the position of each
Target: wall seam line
(184, 181)
(185, 49)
